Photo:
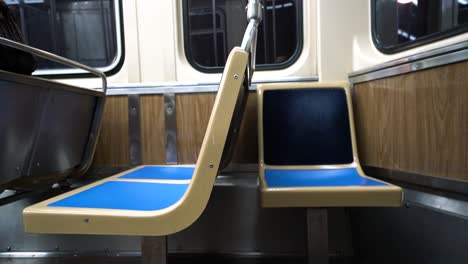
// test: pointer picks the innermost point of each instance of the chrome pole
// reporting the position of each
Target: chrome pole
(249, 43)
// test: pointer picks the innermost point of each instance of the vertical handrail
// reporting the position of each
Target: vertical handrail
(249, 42)
(215, 31)
(265, 39)
(53, 25)
(275, 53)
(24, 31)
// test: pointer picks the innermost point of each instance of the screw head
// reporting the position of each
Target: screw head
(211, 165)
(417, 66)
(86, 220)
(236, 76)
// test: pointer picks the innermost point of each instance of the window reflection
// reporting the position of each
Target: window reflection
(84, 31)
(399, 23)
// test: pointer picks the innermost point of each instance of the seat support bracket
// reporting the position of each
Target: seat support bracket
(317, 235)
(154, 250)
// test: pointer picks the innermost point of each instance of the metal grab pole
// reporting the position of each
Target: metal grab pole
(249, 43)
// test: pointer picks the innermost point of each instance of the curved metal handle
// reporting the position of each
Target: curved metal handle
(56, 58)
(249, 42)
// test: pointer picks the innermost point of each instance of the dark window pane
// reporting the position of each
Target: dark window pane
(84, 31)
(208, 42)
(417, 19)
(462, 12)
(401, 23)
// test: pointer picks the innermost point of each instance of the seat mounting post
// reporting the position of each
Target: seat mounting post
(154, 250)
(317, 236)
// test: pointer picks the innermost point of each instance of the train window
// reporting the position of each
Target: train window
(213, 27)
(85, 31)
(404, 24)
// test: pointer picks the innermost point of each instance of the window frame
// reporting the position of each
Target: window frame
(427, 39)
(262, 67)
(109, 70)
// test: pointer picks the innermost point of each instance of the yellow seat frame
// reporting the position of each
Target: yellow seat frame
(40, 218)
(388, 195)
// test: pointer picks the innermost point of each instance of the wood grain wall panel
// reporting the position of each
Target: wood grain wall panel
(152, 129)
(113, 145)
(193, 113)
(416, 122)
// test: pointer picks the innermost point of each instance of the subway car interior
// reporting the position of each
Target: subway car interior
(234, 131)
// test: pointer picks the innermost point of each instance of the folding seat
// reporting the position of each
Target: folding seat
(308, 156)
(152, 200)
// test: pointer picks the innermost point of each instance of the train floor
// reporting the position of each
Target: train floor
(172, 259)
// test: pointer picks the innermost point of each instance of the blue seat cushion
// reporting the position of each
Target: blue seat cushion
(161, 173)
(317, 178)
(121, 195)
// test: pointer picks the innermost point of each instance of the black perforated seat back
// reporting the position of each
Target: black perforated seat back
(236, 122)
(306, 127)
